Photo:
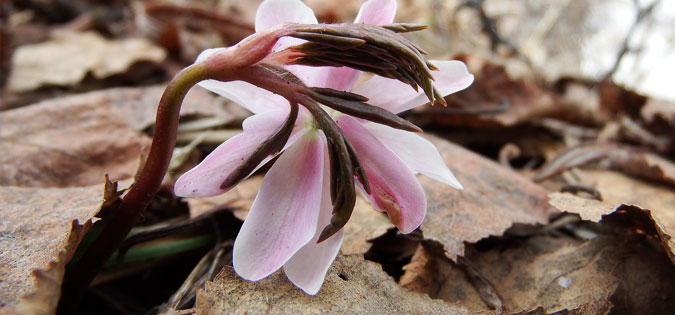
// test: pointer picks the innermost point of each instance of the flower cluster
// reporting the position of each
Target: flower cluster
(307, 195)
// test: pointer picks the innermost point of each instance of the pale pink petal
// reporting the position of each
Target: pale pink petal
(284, 214)
(273, 12)
(307, 268)
(338, 78)
(251, 97)
(396, 96)
(204, 180)
(418, 153)
(394, 188)
(377, 12)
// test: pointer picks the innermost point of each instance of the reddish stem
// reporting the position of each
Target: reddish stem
(139, 196)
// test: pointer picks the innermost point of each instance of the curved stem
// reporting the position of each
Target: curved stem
(139, 196)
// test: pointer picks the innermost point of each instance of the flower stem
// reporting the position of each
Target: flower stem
(141, 193)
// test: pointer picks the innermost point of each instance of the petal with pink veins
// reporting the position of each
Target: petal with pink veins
(283, 217)
(204, 180)
(377, 12)
(397, 97)
(307, 268)
(394, 188)
(418, 153)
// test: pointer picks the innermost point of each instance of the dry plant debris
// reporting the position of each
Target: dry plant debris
(504, 244)
(67, 58)
(352, 286)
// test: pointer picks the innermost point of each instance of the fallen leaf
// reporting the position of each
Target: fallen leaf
(619, 193)
(352, 285)
(38, 139)
(137, 107)
(240, 198)
(40, 229)
(493, 199)
(365, 224)
(64, 142)
(554, 273)
(66, 59)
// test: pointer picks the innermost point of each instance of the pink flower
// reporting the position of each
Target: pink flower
(294, 203)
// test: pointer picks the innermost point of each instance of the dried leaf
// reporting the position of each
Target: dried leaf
(38, 139)
(365, 224)
(240, 198)
(352, 285)
(493, 199)
(138, 106)
(40, 229)
(67, 58)
(619, 192)
(70, 141)
(553, 274)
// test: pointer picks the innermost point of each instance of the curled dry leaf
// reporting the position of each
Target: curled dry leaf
(617, 189)
(493, 199)
(619, 192)
(352, 285)
(555, 273)
(40, 229)
(66, 59)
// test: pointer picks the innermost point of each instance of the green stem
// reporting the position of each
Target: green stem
(139, 196)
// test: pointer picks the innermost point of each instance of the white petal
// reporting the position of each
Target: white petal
(251, 97)
(204, 179)
(307, 268)
(284, 214)
(377, 12)
(417, 153)
(396, 96)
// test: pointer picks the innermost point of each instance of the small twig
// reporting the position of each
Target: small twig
(487, 292)
(570, 188)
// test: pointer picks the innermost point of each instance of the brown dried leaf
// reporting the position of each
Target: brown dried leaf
(138, 106)
(40, 232)
(554, 273)
(240, 198)
(432, 273)
(493, 199)
(365, 224)
(352, 285)
(620, 191)
(70, 141)
(74, 140)
(67, 58)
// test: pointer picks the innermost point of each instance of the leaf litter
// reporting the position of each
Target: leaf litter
(496, 246)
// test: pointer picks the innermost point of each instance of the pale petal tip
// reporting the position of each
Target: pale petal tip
(309, 288)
